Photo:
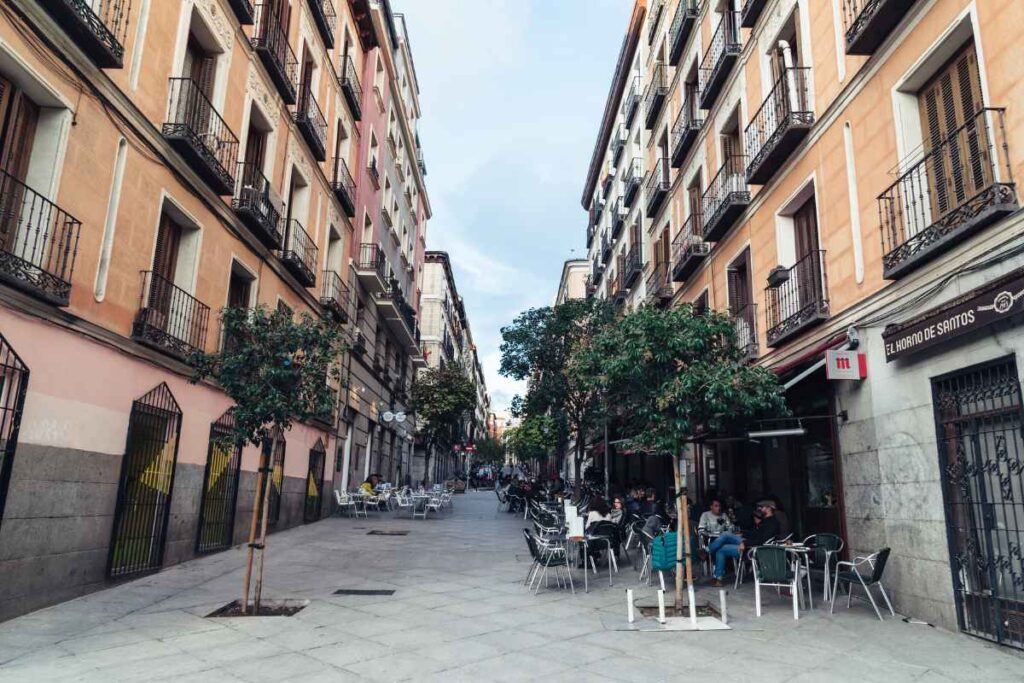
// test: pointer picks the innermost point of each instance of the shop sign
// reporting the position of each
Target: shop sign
(841, 364)
(975, 310)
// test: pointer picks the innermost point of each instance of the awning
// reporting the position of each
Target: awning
(808, 362)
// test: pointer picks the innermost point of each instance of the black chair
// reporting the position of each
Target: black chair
(876, 564)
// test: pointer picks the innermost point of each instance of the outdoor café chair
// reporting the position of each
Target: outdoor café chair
(825, 549)
(772, 566)
(875, 567)
(403, 504)
(345, 503)
(433, 504)
(547, 554)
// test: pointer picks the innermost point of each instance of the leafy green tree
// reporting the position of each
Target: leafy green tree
(441, 397)
(533, 439)
(276, 369)
(539, 347)
(490, 451)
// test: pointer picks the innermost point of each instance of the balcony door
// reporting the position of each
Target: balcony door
(957, 154)
(740, 299)
(19, 118)
(807, 271)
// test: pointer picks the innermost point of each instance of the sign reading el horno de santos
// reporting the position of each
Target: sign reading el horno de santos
(972, 311)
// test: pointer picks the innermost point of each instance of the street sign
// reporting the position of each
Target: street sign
(845, 364)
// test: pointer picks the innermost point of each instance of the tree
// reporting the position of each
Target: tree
(440, 398)
(277, 370)
(675, 374)
(533, 439)
(490, 451)
(539, 347)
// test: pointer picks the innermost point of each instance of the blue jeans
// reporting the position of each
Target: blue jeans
(724, 547)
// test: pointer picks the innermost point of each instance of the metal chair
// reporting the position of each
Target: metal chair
(772, 567)
(876, 563)
(547, 555)
(825, 550)
(344, 503)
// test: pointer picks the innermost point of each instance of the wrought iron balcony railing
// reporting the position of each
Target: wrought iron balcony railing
(591, 231)
(335, 295)
(299, 254)
(243, 10)
(40, 242)
(657, 8)
(619, 213)
(372, 259)
(688, 248)
(200, 135)
(325, 18)
(798, 300)
(784, 119)
(719, 58)
(406, 312)
(606, 249)
(752, 12)
(620, 135)
(654, 96)
(659, 284)
(98, 27)
(631, 102)
(948, 192)
(632, 266)
(683, 22)
(725, 198)
(687, 126)
(385, 217)
(270, 42)
(632, 176)
(169, 318)
(744, 321)
(656, 186)
(869, 22)
(258, 205)
(344, 187)
(312, 125)
(351, 90)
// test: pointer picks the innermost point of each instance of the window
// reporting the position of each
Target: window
(220, 488)
(276, 478)
(700, 304)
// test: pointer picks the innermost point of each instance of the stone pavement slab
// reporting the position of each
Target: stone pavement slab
(460, 612)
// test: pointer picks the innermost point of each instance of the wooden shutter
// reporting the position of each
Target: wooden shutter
(738, 275)
(18, 119)
(165, 256)
(255, 148)
(805, 228)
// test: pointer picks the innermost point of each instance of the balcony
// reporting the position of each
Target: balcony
(335, 295)
(620, 136)
(744, 321)
(38, 254)
(869, 22)
(243, 11)
(591, 230)
(654, 96)
(782, 122)
(324, 18)
(656, 186)
(169, 318)
(798, 300)
(725, 199)
(606, 250)
(351, 90)
(400, 317)
(752, 12)
(659, 285)
(631, 179)
(373, 173)
(299, 254)
(312, 125)
(258, 206)
(201, 136)
(631, 103)
(688, 248)
(270, 42)
(682, 26)
(609, 178)
(654, 19)
(686, 128)
(372, 268)
(98, 27)
(946, 194)
(719, 59)
(385, 217)
(344, 187)
(619, 213)
(632, 266)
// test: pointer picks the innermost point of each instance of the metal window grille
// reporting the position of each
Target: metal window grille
(979, 420)
(220, 487)
(146, 482)
(276, 479)
(314, 482)
(13, 387)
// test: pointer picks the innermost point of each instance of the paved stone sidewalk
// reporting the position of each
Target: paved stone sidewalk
(459, 613)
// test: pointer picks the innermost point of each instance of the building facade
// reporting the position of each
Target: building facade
(839, 177)
(574, 280)
(162, 161)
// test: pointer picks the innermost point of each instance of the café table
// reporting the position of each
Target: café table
(802, 559)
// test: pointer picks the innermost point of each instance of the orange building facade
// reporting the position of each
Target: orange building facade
(162, 161)
(838, 176)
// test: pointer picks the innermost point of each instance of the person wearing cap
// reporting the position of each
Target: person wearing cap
(732, 546)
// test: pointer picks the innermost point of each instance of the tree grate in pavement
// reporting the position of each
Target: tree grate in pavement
(380, 532)
(358, 591)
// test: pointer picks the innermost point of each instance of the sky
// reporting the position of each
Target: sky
(511, 95)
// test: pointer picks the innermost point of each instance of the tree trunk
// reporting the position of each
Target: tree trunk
(258, 592)
(247, 577)
(579, 464)
(682, 533)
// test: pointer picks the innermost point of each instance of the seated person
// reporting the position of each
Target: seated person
(618, 512)
(713, 521)
(599, 512)
(369, 485)
(732, 545)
